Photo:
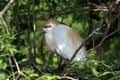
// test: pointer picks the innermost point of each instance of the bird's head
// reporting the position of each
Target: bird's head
(50, 25)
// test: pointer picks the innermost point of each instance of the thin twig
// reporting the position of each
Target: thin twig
(17, 23)
(11, 52)
(108, 27)
(7, 32)
(41, 49)
(10, 62)
(28, 32)
(34, 29)
(91, 35)
(110, 70)
(107, 37)
(37, 69)
(5, 26)
(66, 78)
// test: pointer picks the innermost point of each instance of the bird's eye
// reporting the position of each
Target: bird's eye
(49, 26)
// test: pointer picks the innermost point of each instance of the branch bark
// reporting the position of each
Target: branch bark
(34, 29)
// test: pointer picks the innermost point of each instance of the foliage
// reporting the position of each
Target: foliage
(93, 69)
(19, 39)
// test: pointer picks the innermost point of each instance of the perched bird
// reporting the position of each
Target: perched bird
(64, 40)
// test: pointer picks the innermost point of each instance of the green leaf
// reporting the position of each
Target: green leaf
(95, 72)
(105, 73)
(47, 77)
(3, 66)
(34, 75)
(2, 76)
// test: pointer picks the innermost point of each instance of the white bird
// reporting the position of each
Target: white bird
(64, 40)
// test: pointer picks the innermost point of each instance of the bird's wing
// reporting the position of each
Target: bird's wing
(67, 41)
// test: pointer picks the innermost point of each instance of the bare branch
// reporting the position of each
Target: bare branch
(10, 62)
(16, 63)
(110, 70)
(6, 7)
(107, 37)
(99, 7)
(66, 78)
(108, 27)
(7, 32)
(94, 33)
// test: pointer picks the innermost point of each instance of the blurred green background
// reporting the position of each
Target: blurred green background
(24, 56)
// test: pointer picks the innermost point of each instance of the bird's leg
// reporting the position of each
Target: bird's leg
(65, 69)
(66, 60)
(47, 64)
(59, 61)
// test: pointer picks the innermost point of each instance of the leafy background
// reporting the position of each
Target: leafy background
(24, 56)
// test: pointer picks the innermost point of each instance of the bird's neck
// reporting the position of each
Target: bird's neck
(49, 34)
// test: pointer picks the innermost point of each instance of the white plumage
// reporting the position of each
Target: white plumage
(64, 40)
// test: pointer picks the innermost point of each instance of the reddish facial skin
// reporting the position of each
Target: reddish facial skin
(45, 26)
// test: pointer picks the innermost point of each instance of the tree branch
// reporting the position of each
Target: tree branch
(34, 27)
(107, 37)
(6, 8)
(11, 51)
(84, 42)
(66, 78)
(94, 33)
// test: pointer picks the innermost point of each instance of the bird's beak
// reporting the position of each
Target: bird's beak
(45, 26)
(42, 26)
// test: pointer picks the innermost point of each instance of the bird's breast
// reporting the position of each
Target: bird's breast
(49, 41)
